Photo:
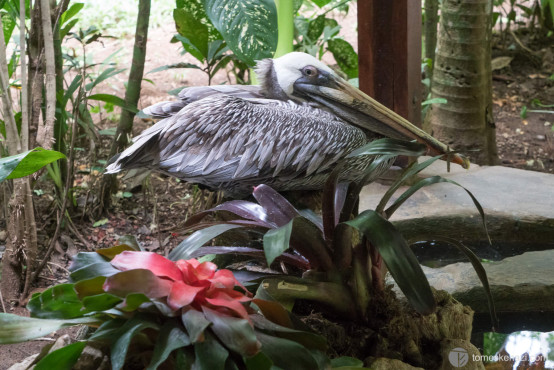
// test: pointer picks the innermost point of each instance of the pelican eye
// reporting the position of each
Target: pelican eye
(310, 71)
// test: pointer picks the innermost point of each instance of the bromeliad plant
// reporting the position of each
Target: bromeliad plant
(344, 255)
(151, 312)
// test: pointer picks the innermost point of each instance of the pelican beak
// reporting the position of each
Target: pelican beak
(361, 110)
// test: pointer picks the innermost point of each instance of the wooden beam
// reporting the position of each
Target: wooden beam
(389, 52)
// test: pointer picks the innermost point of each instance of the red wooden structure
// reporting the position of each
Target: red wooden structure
(389, 52)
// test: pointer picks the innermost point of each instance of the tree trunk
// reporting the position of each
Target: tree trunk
(462, 76)
(132, 95)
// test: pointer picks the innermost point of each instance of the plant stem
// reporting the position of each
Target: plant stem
(50, 74)
(285, 22)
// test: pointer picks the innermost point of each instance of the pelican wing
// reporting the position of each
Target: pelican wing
(221, 139)
(191, 94)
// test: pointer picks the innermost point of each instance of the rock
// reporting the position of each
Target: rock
(516, 202)
(460, 354)
(383, 363)
(3, 235)
(92, 359)
(25, 364)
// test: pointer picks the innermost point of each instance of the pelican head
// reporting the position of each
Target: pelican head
(301, 77)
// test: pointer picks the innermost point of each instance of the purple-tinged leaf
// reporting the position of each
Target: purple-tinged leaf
(399, 258)
(291, 259)
(278, 209)
(198, 239)
(312, 217)
(122, 339)
(83, 259)
(247, 210)
(236, 334)
(91, 271)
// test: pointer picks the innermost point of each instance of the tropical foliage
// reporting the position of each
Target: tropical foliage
(152, 311)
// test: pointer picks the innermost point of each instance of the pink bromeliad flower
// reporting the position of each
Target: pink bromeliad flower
(185, 283)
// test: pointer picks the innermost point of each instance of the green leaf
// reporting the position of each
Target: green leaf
(95, 270)
(100, 222)
(195, 32)
(210, 354)
(63, 358)
(315, 28)
(107, 73)
(83, 259)
(65, 30)
(346, 57)
(8, 24)
(123, 337)
(170, 337)
(389, 146)
(399, 258)
(346, 361)
(57, 302)
(321, 3)
(115, 100)
(287, 354)
(24, 164)
(100, 302)
(434, 101)
(176, 65)
(198, 239)
(195, 322)
(276, 241)
(71, 12)
(19, 328)
(236, 334)
(248, 26)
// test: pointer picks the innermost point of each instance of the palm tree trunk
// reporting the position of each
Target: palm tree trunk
(462, 76)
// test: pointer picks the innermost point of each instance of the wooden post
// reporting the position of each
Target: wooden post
(389, 53)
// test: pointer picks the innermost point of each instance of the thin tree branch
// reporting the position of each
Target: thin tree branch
(24, 84)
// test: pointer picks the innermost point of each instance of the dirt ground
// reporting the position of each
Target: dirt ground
(154, 212)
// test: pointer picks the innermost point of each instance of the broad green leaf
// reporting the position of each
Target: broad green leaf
(346, 57)
(236, 334)
(111, 252)
(315, 28)
(193, 30)
(93, 271)
(133, 301)
(124, 335)
(307, 239)
(389, 146)
(195, 322)
(170, 337)
(321, 3)
(399, 258)
(63, 358)
(8, 24)
(90, 287)
(71, 12)
(100, 302)
(287, 354)
(258, 362)
(306, 338)
(346, 361)
(83, 259)
(115, 100)
(24, 164)
(198, 239)
(276, 241)
(210, 354)
(65, 30)
(248, 26)
(100, 222)
(17, 329)
(57, 302)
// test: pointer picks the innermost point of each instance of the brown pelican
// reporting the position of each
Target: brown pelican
(288, 133)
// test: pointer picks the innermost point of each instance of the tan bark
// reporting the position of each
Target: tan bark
(462, 75)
